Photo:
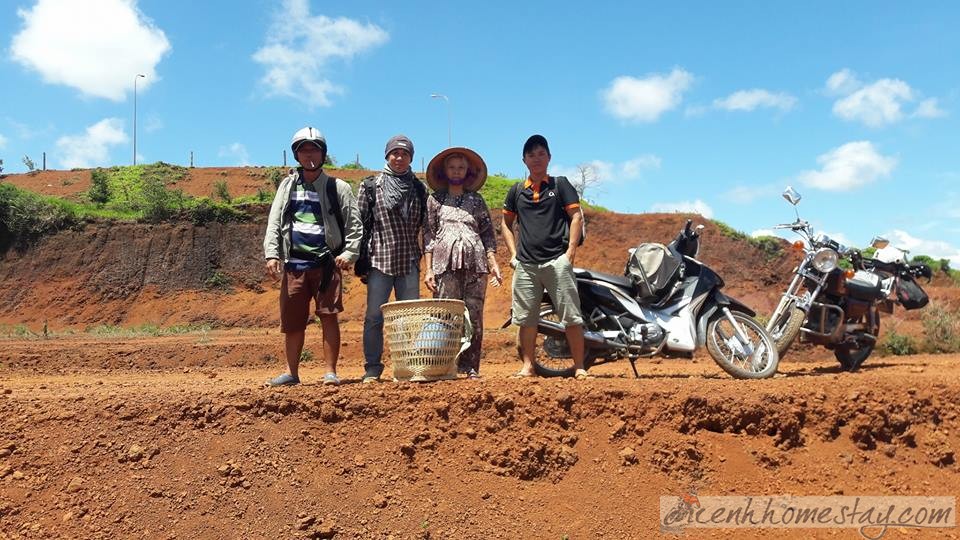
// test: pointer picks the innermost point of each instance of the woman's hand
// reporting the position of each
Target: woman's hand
(497, 278)
(430, 281)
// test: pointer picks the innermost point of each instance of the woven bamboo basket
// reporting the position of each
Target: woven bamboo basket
(426, 337)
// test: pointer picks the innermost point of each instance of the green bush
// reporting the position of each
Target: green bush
(771, 246)
(25, 216)
(158, 202)
(99, 187)
(220, 190)
(940, 330)
(898, 344)
(202, 211)
(218, 280)
(275, 175)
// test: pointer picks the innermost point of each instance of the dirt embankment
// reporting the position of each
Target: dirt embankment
(127, 274)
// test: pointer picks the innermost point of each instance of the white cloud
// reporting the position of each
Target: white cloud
(297, 56)
(879, 103)
(3, 142)
(153, 123)
(850, 166)
(843, 82)
(92, 148)
(606, 171)
(644, 100)
(929, 108)
(748, 100)
(692, 207)
(747, 194)
(236, 151)
(96, 46)
(936, 249)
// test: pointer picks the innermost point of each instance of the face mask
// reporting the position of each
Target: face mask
(457, 181)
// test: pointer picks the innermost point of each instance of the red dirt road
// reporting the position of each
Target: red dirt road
(175, 438)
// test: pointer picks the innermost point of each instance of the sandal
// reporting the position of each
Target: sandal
(522, 375)
(285, 379)
(331, 379)
(582, 374)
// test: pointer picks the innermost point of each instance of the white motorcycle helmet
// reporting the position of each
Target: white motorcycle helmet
(311, 135)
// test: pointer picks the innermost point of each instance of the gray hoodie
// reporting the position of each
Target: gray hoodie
(276, 241)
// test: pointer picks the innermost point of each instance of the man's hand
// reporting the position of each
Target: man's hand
(343, 262)
(273, 268)
(430, 281)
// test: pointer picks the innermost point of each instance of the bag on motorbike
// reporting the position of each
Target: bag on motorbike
(652, 268)
(910, 294)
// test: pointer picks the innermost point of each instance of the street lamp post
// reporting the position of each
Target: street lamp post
(135, 117)
(449, 118)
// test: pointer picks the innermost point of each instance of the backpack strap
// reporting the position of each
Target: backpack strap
(334, 203)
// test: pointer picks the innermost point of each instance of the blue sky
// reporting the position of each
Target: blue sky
(706, 106)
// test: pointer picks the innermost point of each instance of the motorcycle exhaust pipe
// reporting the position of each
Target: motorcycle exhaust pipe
(597, 341)
(590, 338)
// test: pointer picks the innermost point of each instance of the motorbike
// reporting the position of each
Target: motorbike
(667, 302)
(840, 308)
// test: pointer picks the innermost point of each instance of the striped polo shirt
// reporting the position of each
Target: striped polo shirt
(308, 243)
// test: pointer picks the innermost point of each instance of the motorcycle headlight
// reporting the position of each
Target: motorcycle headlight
(825, 260)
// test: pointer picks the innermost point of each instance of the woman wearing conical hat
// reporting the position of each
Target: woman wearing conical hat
(460, 244)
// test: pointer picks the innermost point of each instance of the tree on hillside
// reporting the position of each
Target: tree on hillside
(1, 168)
(586, 178)
(29, 163)
(99, 189)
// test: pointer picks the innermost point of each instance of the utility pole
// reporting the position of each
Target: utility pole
(135, 116)
(449, 118)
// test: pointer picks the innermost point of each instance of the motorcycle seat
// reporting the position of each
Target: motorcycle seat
(620, 281)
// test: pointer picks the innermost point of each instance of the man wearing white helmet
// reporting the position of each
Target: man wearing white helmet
(313, 233)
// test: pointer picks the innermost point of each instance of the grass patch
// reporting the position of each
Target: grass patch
(941, 330)
(896, 344)
(143, 330)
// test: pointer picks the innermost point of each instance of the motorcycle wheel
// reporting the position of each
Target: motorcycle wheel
(785, 330)
(852, 357)
(728, 352)
(551, 357)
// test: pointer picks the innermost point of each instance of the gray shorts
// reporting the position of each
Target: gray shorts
(530, 280)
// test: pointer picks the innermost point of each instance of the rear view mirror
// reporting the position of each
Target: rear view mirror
(791, 196)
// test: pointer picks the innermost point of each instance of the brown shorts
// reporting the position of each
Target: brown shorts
(296, 291)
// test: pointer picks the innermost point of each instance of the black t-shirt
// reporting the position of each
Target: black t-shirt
(541, 211)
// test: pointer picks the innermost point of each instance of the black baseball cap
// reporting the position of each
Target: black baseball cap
(535, 141)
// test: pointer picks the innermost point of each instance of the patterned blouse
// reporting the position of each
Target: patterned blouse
(459, 232)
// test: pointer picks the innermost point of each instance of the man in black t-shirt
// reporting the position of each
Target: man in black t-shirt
(542, 256)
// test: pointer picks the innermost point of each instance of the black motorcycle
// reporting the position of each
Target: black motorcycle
(839, 308)
(668, 303)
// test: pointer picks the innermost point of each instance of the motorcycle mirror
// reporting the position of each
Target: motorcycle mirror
(879, 242)
(791, 195)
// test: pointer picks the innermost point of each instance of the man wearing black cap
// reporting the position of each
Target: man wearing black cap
(549, 227)
(393, 208)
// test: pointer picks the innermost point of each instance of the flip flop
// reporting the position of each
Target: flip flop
(331, 379)
(284, 379)
(522, 375)
(582, 374)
